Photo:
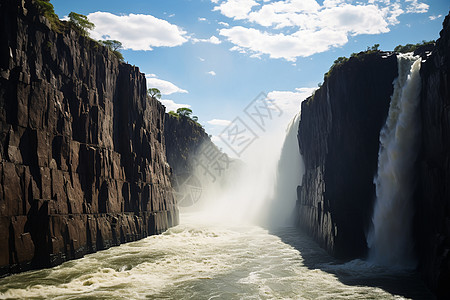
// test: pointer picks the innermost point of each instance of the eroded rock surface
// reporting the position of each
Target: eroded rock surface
(83, 164)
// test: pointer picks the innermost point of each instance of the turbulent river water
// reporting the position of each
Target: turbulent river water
(204, 260)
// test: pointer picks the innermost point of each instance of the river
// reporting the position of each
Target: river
(206, 260)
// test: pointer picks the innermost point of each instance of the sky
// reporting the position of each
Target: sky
(217, 56)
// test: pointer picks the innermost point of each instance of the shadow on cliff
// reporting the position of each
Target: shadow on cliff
(353, 273)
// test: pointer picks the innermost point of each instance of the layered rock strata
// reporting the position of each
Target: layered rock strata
(82, 150)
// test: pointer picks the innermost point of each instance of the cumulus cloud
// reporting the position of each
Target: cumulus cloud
(237, 9)
(164, 86)
(300, 28)
(201, 19)
(213, 40)
(171, 105)
(212, 73)
(289, 47)
(136, 31)
(224, 24)
(219, 122)
(416, 7)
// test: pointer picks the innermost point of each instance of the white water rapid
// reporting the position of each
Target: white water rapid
(390, 239)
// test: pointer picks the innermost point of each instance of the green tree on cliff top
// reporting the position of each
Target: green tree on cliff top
(81, 23)
(154, 93)
(114, 46)
(184, 112)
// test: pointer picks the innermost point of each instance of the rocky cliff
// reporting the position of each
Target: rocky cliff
(199, 168)
(184, 139)
(338, 139)
(82, 148)
(433, 198)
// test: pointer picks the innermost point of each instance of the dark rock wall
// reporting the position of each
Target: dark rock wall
(433, 199)
(184, 139)
(339, 140)
(82, 150)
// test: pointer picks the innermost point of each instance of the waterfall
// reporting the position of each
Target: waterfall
(290, 170)
(390, 239)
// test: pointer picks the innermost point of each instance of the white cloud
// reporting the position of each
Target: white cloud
(416, 7)
(212, 73)
(289, 102)
(136, 31)
(171, 105)
(432, 18)
(201, 59)
(219, 122)
(201, 19)
(224, 24)
(237, 9)
(301, 43)
(213, 40)
(164, 86)
(299, 28)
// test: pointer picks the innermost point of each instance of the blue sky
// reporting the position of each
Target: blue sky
(216, 56)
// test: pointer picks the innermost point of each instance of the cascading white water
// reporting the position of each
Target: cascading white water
(390, 239)
(290, 171)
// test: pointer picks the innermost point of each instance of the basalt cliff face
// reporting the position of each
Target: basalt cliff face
(432, 224)
(184, 139)
(82, 150)
(338, 139)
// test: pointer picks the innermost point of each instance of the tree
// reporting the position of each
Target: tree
(81, 23)
(184, 112)
(114, 46)
(373, 48)
(154, 93)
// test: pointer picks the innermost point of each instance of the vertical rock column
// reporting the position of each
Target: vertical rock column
(82, 150)
(433, 198)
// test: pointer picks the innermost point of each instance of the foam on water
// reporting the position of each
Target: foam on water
(196, 260)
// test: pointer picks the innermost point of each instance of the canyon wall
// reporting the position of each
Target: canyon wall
(432, 224)
(338, 139)
(184, 139)
(82, 150)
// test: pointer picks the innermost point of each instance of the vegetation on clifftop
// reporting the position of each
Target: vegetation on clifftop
(184, 112)
(412, 47)
(78, 22)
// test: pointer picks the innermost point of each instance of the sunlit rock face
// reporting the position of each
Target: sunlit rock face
(339, 141)
(433, 199)
(83, 164)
